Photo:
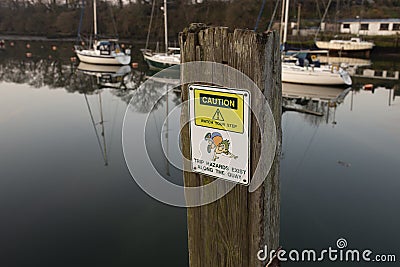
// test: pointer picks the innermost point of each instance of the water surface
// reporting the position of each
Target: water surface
(67, 198)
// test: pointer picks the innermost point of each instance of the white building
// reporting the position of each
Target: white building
(370, 26)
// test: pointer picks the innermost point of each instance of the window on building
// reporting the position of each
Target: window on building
(384, 27)
(346, 26)
(364, 26)
(396, 26)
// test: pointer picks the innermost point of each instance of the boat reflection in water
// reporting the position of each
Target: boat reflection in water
(121, 82)
(159, 98)
(107, 75)
(322, 93)
(346, 61)
(313, 100)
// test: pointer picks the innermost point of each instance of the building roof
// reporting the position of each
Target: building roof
(368, 20)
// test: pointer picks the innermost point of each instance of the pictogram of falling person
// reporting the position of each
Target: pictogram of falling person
(219, 145)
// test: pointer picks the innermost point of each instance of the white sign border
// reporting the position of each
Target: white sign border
(247, 104)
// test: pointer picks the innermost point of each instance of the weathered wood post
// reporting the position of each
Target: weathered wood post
(231, 230)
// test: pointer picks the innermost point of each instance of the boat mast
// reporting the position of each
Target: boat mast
(103, 131)
(282, 26)
(298, 18)
(95, 19)
(286, 23)
(165, 26)
(322, 20)
(151, 21)
(103, 152)
(166, 132)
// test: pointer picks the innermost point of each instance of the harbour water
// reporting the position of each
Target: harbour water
(68, 199)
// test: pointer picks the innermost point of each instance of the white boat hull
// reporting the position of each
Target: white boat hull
(159, 61)
(93, 57)
(345, 45)
(314, 76)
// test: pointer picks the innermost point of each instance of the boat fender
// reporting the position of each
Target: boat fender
(368, 86)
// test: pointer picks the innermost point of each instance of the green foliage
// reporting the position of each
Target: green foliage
(40, 17)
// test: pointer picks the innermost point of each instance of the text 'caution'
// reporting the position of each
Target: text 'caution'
(219, 110)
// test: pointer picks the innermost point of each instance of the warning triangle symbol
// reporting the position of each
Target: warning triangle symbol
(218, 115)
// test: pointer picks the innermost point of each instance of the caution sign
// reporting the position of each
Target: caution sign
(220, 130)
(219, 109)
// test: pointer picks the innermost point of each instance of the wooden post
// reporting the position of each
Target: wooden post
(231, 230)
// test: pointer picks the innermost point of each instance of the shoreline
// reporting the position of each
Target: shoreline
(10, 37)
(384, 50)
(385, 43)
(389, 45)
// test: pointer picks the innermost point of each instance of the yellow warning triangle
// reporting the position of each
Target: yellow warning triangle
(218, 115)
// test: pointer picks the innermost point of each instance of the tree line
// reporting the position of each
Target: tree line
(130, 18)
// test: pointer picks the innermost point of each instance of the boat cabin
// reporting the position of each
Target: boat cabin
(106, 47)
(355, 40)
(174, 50)
(303, 58)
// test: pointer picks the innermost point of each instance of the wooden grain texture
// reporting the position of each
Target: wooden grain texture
(230, 231)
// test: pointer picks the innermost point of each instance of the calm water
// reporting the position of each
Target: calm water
(67, 198)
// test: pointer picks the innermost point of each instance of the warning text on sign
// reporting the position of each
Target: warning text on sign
(218, 101)
(219, 110)
(215, 169)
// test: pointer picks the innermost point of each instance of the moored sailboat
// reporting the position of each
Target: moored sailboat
(352, 45)
(170, 57)
(103, 51)
(305, 68)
